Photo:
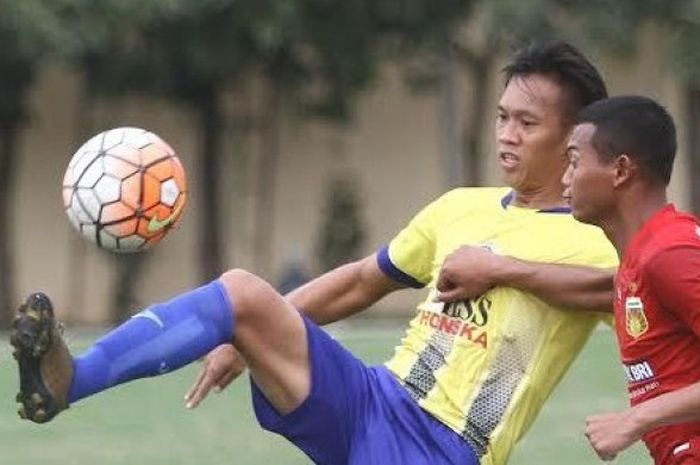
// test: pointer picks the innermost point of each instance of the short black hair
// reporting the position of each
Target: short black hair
(565, 64)
(635, 126)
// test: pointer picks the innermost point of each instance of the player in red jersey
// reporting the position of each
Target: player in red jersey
(621, 155)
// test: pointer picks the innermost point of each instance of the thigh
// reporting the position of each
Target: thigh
(398, 431)
(324, 424)
(269, 333)
(358, 415)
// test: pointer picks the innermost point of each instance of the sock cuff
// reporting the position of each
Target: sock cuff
(225, 300)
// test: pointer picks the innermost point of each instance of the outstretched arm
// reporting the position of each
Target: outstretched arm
(343, 291)
(611, 433)
(470, 271)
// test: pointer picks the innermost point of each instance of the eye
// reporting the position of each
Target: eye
(501, 118)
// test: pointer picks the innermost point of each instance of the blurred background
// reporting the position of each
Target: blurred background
(311, 130)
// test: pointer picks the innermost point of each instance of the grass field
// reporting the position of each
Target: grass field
(145, 423)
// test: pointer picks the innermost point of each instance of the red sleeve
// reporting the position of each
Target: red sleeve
(674, 277)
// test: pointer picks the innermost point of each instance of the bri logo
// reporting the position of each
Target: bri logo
(640, 371)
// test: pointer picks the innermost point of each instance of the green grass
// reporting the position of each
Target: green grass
(145, 423)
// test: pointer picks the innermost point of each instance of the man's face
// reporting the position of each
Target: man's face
(532, 131)
(588, 181)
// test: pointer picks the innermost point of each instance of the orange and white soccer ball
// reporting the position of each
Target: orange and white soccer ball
(124, 189)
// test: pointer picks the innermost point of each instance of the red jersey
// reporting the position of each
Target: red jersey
(657, 320)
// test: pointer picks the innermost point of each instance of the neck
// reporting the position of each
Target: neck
(542, 198)
(631, 215)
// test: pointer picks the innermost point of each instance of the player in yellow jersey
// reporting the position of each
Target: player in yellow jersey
(479, 358)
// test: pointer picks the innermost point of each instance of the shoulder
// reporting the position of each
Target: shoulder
(681, 229)
(672, 262)
(678, 233)
(673, 256)
(671, 275)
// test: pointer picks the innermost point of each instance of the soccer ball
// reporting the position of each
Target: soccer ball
(124, 189)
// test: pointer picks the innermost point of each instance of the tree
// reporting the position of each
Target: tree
(103, 53)
(616, 26)
(28, 32)
(312, 57)
(317, 59)
(684, 19)
(343, 232)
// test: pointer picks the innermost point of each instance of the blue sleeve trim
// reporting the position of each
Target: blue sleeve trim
(505, 201)
(389, 269)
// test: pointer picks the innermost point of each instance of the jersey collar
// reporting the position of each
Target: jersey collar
(508, 198)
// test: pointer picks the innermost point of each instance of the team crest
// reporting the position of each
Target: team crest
(636, 320)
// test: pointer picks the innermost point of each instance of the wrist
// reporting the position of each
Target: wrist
(639, 420)
(509, 272)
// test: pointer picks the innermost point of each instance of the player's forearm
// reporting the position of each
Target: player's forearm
(567, 286)
(342, 292)
(675, 407)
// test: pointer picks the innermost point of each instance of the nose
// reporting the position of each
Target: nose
(507, 133)
(566, 179)
(568, 174)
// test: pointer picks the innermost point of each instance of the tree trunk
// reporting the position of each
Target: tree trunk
(124, 301)
(693, 121)
(479, 68)
(265, 183)
(211, 127)
(451, 115)
(8, 145)
(76, 243)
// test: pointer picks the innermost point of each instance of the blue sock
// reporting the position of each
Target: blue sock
(162, 338)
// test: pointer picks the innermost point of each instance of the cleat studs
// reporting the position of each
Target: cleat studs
(21, 412)
(24, 338)
(36, 399)
(40, 416)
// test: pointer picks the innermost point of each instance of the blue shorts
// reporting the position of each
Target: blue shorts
(360, 415)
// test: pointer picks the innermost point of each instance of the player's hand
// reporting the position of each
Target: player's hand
(467, 273)
(611, 433)
(221, 366)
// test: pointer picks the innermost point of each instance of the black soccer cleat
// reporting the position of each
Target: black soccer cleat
(45, 365)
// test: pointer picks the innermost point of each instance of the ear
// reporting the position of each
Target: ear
(625, 169)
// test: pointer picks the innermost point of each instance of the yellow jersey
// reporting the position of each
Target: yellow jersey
(485, 367)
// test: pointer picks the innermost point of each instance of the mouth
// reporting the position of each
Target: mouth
(508, 160)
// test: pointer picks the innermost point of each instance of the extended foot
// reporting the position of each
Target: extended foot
(45, 365)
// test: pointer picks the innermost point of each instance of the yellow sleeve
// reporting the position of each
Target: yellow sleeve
(409, 257)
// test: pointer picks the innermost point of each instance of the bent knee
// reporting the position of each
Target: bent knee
(245, 289)
(237, 277)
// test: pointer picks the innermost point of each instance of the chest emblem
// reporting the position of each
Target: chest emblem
(636, 321)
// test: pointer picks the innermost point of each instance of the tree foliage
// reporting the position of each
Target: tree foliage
(342, 235)
(29, 33)
(312, 58)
